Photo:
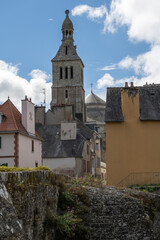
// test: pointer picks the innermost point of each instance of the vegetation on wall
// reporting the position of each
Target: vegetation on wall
(147, 187)
(18, 169)
(72, 218)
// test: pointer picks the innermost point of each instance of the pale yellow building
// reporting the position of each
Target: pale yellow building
(132, 135)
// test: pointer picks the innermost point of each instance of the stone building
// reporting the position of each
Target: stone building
(95, 112)
(83, 153)
(133, 130)
(67, 74)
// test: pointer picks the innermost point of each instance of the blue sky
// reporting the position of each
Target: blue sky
(118, 41)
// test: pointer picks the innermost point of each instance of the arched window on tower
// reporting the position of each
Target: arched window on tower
(61, 72)
(71, 72)
(67, 34)
(66, 93)
(66, 50)
(66, 72)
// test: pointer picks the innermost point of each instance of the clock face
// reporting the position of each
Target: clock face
(30, 116)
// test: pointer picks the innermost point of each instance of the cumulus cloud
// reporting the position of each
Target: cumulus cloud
(16, 87)
(106, 81)
(142, 19)
(92, 12)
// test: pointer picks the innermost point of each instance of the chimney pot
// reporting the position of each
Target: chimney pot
(26, 98)
(132, 85)
(126, 84)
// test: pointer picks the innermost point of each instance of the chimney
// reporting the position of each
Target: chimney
(126, 84)
(132, 85)
(28, 115)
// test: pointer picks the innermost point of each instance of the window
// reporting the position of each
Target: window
(32, 145)
(61, 72)
(71, 72)
(36, 164)
(97, 146)
(66, 50)
(0, 142)
(67, 34)
(87, 149)
(66, 72)
(66, 93)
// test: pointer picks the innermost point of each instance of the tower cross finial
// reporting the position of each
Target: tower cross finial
(67, 12)
(91, 87)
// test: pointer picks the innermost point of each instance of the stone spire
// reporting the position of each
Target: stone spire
(67, 28)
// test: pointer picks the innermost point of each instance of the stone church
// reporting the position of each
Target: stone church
(66, 118)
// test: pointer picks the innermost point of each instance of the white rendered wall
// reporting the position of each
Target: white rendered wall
(7, 149)
(27, 158)
(59, 163)
(68, 130)
(28, 116)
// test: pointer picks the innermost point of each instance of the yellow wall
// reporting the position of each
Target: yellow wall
(133, 147)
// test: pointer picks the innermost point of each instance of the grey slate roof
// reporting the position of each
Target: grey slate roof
(149, 100)
(96, 114)
(61, 55)
(93, 99)
(113, 106)
(53, 147)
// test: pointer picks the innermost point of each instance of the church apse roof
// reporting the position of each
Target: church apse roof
(93, 99)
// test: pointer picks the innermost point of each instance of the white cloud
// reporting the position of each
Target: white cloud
(141, 16)
(50, 19)
(106, 81)
(92, 13)
(16, 87)
(146, 65)
(109, 68)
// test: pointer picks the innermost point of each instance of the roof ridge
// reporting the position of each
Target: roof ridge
(9, 102)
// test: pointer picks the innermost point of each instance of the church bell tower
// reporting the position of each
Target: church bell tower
(67, 74)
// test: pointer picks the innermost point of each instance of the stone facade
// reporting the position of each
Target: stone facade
(67, 74)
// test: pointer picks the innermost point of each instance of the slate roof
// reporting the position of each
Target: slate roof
(149, 98)
(93, 99)
(12, 119)
(113, 105)
(61, 55)
(54, 147)
(149, 101)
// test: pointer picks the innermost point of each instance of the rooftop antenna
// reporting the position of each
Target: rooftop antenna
(91, 87)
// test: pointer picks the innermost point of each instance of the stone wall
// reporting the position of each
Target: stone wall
(27, 197)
